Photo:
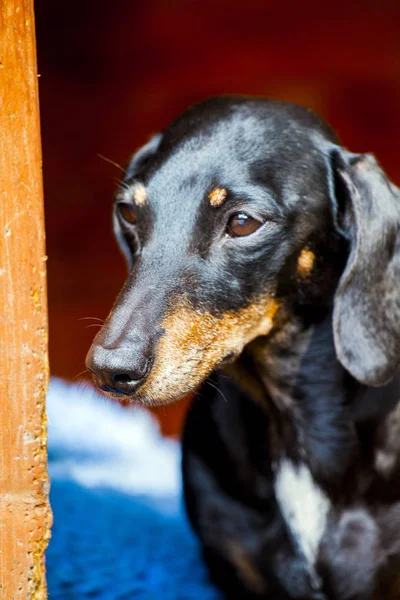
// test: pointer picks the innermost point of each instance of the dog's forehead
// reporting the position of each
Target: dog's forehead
(194, 169)
(241, 137)
(231, 152)
(228, 145)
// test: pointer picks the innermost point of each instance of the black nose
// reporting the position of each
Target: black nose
(121, 370)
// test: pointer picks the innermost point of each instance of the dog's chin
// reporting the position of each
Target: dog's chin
(149, 397)
(145, 398)
(118, 398)
(162, 392)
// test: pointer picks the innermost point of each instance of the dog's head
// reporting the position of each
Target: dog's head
(239, 212)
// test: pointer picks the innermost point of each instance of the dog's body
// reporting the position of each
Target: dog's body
(301, 502)
(265, 263)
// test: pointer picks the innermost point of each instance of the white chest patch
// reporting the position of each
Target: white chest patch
(304, 507)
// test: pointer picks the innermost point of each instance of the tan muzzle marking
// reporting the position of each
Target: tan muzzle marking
(195, 342)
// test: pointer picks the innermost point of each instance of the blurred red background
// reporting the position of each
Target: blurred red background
(112, 73)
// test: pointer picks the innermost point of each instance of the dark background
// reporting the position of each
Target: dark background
(112, 73)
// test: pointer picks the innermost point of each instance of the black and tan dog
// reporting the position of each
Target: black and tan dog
(265, 268)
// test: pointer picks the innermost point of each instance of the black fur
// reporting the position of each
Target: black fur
(320, 390)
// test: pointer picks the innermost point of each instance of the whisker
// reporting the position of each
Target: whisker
(94, 325)
(218, 390)
(111, 162)
(122, 184)
(81, 373)
(91, 318)
(85, 387)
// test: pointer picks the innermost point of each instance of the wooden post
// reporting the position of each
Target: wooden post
(24, 509)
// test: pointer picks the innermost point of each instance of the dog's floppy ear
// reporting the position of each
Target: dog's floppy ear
(139, 159)
(366, 317)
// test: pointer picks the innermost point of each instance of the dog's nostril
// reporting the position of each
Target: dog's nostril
(122, 378)
(119, 370)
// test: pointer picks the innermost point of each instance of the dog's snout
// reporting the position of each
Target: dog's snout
(119, 370)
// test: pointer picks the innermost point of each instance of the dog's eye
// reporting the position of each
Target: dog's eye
(242, 224)
(127, 213)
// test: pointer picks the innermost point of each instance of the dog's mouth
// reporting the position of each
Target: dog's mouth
(194, 343)
(147, 397)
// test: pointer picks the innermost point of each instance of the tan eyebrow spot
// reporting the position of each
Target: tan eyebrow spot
(217, 196)
(139, 194)
(305, 262)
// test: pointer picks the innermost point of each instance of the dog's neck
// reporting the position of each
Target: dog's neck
(313, 402)
(295, 374)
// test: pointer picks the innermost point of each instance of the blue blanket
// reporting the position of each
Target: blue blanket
(119, 531)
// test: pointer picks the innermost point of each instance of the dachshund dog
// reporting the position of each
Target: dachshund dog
(264, 274)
